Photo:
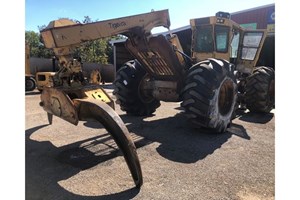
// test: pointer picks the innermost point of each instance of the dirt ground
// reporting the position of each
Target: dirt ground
(64, 161)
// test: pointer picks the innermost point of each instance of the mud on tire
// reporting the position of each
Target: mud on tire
(209, 95)
(260, 90)
(127, 90)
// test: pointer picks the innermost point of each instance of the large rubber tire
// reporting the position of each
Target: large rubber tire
(260, 90)
(127, 90)
(30, 84)
(209, 95)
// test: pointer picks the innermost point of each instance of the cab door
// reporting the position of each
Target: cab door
(249, 49)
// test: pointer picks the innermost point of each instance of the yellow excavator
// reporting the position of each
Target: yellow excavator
(205, 83)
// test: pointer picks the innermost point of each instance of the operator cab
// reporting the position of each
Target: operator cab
(220, 37)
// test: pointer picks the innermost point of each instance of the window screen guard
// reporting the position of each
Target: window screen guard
(251, 43)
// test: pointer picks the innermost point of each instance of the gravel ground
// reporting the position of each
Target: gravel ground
(64, 161)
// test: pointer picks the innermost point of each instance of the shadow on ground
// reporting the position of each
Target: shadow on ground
(178, 141)
(252, 117)
(34, 92)
(47, 164)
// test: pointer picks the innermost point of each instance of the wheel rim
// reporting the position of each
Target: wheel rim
(144, 93)
(226, 95)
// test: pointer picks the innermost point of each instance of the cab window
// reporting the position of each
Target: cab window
(251, 43)
(235, 44)
(222, 35)
(204, 39)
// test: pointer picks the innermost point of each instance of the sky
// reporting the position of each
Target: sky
(38, 13)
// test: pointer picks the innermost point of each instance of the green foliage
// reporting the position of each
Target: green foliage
(93, 51)
(33, 40)
(37, 48)
(96, 51)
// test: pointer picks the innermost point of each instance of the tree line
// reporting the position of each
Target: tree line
(96, 51)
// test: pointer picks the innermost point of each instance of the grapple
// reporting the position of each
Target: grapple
(92, 102)
(70, 98)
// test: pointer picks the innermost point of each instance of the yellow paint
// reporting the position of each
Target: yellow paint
(98, 94)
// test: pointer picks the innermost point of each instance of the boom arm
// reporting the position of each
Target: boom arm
(63, 33)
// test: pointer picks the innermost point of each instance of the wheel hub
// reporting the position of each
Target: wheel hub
(226, 95)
